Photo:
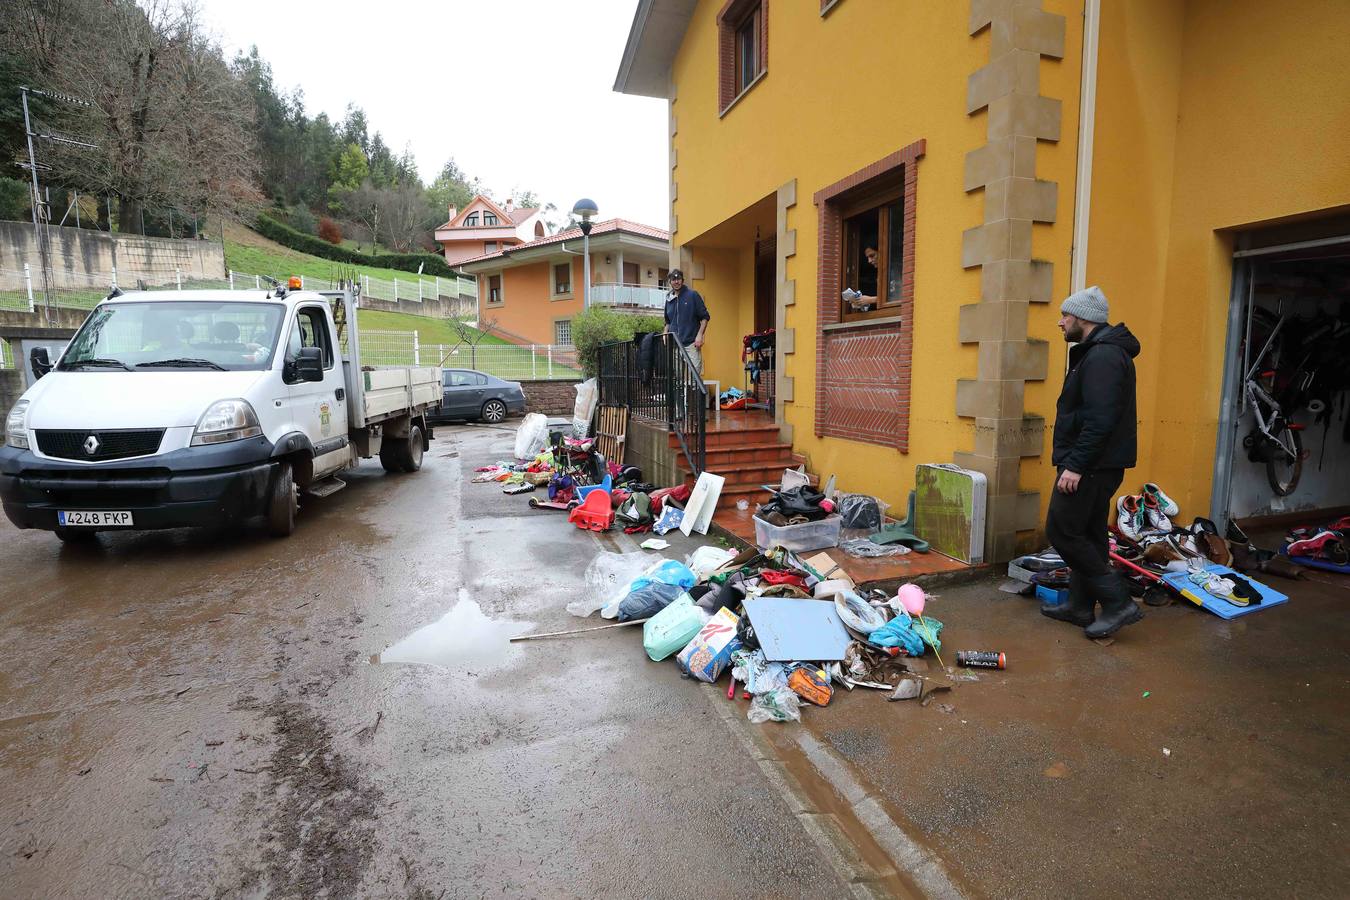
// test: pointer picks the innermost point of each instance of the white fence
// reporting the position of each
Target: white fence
(628, 295)
(530, 362)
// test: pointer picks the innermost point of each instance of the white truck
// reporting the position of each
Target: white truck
(181, 408)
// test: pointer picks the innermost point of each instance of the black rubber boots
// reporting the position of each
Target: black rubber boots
(1078, 608)
(1118, 607)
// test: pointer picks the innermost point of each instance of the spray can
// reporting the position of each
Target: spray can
(982, 659)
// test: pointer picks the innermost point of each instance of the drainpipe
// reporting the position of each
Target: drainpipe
(1087, 115)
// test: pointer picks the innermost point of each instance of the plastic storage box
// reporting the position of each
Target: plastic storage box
(1053, 596)
(807, 536)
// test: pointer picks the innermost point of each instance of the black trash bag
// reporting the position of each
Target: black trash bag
(799, 501)
(731, 594)
(746, 633)
(860, 511)
(647, 601)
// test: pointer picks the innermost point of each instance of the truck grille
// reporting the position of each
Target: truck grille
(105, 444)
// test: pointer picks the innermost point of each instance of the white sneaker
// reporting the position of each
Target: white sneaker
(1154, 517)
(1129, 516)
(1165, 503)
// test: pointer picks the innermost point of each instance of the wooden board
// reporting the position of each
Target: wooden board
(612, 433)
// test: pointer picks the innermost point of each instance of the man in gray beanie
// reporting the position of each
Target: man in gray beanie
(1095, 442)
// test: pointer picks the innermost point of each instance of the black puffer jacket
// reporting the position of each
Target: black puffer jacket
(1096, 423)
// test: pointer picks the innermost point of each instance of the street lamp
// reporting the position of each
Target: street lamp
(585, 208)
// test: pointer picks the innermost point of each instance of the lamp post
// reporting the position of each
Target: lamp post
(585, 209)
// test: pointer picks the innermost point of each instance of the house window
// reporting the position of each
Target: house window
(562, 332)
(471, 221)
(661, 277)
(863, 349)
(489, 218)
(562, 280)
(494, 289)
(742, 48)
(872, 254)
(489, 246)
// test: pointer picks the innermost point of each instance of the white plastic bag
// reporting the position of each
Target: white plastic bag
(588, 395)
(608, 578)
(778, 705)
(532, 436)
(706, 560)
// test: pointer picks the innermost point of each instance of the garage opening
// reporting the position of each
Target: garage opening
(1283, 455)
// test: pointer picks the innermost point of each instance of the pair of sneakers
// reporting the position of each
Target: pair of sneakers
(1324, 543)
(1148, 511)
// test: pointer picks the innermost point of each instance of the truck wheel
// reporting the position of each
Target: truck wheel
(76, 535)
(494, 411)
(281, 503)
(391, 454)
(412, 449)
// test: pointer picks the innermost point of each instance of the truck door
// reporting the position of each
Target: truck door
(319, 408)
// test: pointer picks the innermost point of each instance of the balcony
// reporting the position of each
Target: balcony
(628, 295)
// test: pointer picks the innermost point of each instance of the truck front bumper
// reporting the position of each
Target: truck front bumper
(212, 485)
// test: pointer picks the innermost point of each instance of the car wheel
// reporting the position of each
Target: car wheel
(282, 503)
(76, 535)
(494, 411)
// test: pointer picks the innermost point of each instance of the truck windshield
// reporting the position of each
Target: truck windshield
(166, 335)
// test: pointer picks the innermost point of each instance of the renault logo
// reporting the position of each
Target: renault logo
(91, 445)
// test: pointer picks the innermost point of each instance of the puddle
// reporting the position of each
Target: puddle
(464, 639)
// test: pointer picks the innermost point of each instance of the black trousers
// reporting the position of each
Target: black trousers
(1076, 523)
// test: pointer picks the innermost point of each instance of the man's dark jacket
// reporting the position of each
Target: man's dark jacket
(1095, 420)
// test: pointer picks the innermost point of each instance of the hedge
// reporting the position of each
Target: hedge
(307, 243)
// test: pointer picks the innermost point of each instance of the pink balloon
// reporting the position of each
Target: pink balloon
(912, 598)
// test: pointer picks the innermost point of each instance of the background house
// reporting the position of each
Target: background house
(484, 227)
(1178, 153)
(534, 290)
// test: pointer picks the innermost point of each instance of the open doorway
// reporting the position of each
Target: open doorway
(1283, 453)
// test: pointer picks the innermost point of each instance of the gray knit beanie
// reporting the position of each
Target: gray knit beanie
(1088, 304)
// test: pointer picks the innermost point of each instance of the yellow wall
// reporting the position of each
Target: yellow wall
(842, 92)
(1211, 115)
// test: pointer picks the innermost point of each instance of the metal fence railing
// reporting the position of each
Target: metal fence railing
(655, 378)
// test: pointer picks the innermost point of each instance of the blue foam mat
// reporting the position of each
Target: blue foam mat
(1222, 608)
(1319, 564)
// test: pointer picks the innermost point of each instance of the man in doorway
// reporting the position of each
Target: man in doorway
(1094, 443)
(686, 318)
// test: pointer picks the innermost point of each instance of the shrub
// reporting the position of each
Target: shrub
(597, 326)
(14, 199)
(301, 219)
(330, 231)
(306, 243)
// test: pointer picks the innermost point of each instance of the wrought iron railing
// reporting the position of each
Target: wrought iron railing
(654, 377)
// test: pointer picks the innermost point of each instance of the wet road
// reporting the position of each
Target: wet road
(193, 713)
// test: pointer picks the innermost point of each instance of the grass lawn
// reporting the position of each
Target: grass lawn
(429, 330)
(248, 251)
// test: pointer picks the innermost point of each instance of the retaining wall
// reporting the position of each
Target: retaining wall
(552, 398)
(77, 252)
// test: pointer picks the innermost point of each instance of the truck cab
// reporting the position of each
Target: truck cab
(179, 408)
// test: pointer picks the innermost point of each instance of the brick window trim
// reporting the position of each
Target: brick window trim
(732, 12)
(895, 433)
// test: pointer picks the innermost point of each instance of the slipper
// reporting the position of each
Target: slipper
(899, 534)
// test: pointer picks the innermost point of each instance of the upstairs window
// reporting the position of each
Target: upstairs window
(489, 218)
(742, 48)
(471, 221)
(562, 281)
(489, 246)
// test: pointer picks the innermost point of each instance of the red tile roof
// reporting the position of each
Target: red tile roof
(570, 234)
(520, 214)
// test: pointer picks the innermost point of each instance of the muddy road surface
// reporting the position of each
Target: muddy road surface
(194, 713)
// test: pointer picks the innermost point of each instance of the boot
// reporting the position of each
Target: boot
(1118, 607)
(1077, 609)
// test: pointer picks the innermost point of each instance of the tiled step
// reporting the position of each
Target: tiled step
(771, 453)
(760, 434)
(733, 492)
(744, 473)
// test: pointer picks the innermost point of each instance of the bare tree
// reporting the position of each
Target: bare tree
(172, 123)
(471, 333)
(365, 205)
(407, 216)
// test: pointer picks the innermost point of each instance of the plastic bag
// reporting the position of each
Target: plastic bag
(532, 436)
(857, 614)
(666, 571)
(647, 601)
(673, 627)
(588, 394)
(757, 674)
(779, 705)
(863, 548)
(608, 579)
(861, 511)
(706, 560)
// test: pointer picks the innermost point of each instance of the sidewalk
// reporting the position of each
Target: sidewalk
(1050, 778)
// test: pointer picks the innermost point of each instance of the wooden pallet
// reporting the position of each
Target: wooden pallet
(612, 433)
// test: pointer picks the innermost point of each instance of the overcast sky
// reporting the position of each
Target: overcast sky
(519, 93)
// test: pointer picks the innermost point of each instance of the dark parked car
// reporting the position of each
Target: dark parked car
(476, 395)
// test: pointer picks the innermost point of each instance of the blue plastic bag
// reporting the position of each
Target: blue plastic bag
(908, 635)
(669, 572)
(673, 627)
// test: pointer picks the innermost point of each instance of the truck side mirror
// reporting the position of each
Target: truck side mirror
(309, 364)
(39, 361)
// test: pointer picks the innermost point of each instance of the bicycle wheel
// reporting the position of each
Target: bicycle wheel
(1283, 472)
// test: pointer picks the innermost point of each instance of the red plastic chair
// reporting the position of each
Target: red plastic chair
(596, 512)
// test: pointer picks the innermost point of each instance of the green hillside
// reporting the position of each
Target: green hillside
(247, 251)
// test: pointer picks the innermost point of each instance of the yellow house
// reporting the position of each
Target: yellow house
(966, 164)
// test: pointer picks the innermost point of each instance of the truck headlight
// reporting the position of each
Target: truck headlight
(225, 421)
(16, 434)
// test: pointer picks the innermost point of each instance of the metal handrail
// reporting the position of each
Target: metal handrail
(655, 378)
